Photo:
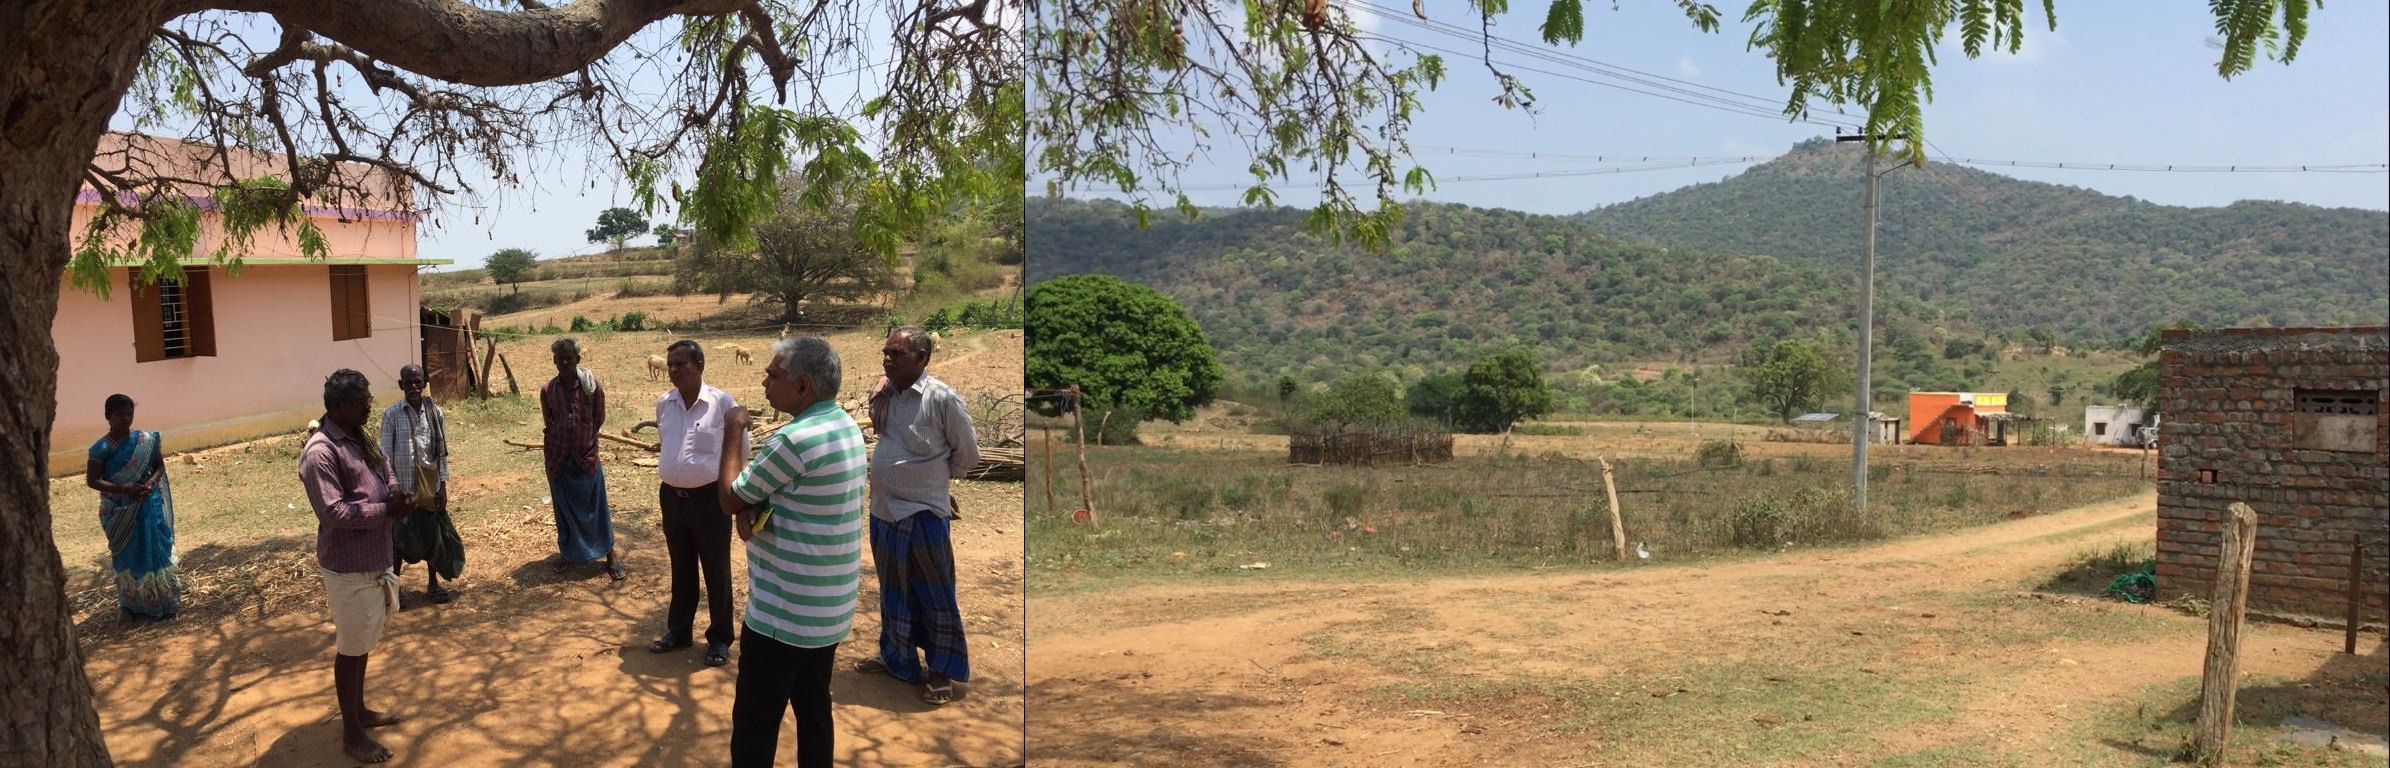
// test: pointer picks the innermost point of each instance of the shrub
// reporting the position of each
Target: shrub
(1109, 425)
(581, 324)
(1719, 454)
(633, 321)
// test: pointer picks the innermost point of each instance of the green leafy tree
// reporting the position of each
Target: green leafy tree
(617, 226)
(1792, 376)
(665, 234)
(804, 253)
(1303, 93)
(350, 104)
(1368, 398)
(511, 267)
(1501, 390)
(1431, 397)
(1123, 344)
(1286, 390)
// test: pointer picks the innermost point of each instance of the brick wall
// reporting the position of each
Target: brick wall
(2228, 399)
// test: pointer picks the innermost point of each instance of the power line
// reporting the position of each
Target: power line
(1680, 163)
(1942, 157)
(1692, 93)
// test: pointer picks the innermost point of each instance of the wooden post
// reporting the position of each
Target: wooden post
(1618, 530)
(1079, 421)
(1049, 468)
(487, 360)
(510, 374)
(2220, 680)
(2348, 643)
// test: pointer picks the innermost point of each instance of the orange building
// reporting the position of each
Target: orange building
(1958, 418)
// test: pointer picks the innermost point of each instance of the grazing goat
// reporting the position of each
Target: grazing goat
(736, 351)
(655, 365)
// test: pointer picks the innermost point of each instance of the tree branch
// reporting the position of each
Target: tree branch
(460, 43)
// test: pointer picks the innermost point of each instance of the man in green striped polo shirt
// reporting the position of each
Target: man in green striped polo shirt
(799, 506)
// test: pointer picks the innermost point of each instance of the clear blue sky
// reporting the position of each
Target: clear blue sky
(2117, 83)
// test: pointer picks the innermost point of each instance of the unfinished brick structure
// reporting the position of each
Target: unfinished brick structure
(2294, 422)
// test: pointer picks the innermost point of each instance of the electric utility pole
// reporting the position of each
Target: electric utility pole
(1862, 422)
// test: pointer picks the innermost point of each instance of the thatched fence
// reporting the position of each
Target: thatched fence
(1368, 445)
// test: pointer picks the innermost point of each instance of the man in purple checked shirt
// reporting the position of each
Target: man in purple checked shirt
(356, 498)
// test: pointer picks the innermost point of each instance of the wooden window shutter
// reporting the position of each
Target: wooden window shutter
(200, 305)
(352, 316)
(149, 338)
(360, 308)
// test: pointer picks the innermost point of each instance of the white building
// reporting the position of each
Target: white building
(2113, 425)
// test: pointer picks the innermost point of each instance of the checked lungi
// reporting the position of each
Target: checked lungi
(914, 558)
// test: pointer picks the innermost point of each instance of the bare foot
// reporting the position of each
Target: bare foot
(365, 750)
(380, 719)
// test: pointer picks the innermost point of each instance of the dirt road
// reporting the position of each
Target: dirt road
(1929, 650)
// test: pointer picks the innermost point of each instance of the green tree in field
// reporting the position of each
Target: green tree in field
(1286, 390)
(2139, 386)
(1792, 377)
(1123, 344)
(1368, 398)
(665, 233)
(1305, 93)
(511, 267)
(1501, 390)
(1431, 397)
(618, 226)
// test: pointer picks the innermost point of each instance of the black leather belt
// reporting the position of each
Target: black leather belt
(706, 490)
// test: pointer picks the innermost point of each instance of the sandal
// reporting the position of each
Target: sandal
(717, 654)
(667, 644)
(871, 664)
(615, 572)
(940, 694)
(441, 595)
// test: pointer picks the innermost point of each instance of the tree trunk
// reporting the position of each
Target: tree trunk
(64, 66)
(788, 309)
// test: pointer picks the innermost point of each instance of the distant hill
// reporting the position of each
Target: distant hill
(1460, 282)
(2019, 254)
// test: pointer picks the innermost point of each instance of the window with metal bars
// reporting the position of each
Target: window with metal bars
(173, 319)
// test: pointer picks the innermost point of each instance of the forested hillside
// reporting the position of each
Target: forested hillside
(2018, 254)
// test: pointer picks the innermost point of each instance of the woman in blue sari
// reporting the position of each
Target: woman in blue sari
(128, 468)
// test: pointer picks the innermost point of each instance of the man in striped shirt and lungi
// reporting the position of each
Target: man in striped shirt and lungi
(925, 440)
(799, 507)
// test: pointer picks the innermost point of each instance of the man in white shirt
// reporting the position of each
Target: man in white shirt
(689, 423)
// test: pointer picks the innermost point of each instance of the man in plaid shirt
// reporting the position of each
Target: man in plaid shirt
(573, 406)
(415, 433)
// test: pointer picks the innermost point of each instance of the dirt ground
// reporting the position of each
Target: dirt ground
(526, 667)
(1800, 659)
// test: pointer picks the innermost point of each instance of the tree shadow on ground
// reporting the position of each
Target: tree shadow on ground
(2345, 691)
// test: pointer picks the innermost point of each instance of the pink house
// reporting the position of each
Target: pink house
(227, 357)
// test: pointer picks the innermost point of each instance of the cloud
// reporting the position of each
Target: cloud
(1686, 67)
(2038, 45)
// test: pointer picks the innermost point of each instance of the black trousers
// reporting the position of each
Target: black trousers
(775, 677)
(698, 536)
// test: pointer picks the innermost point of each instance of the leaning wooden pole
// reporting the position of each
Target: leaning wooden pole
(1049, 462)
(1618, 528)
(1079, 421)
(2219, 682)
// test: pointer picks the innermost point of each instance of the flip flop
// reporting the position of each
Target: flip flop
(940, 694)
(667, 644)
(717, 654)
(615, 572)
(871, 664)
